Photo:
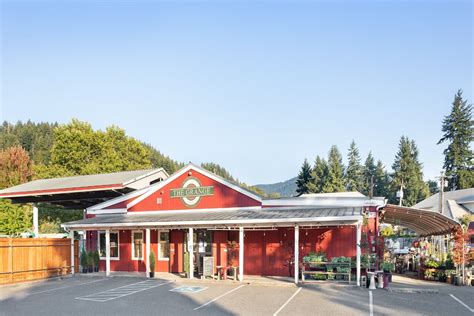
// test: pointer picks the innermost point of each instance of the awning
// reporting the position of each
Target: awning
(248, 217)
(422, 222)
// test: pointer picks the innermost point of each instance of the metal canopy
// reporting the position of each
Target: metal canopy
(422, 222)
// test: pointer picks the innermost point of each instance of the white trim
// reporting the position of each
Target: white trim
(191, 253)
(108, 211)
(159, 244)
(185, 169)
(148, 251)
(241, 253)
(296, 255)
(193, 211)
(118, 244)
(133, 244)
(146, 175)
(118, 199)
(269, 221)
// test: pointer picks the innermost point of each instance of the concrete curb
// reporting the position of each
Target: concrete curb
(407, 290)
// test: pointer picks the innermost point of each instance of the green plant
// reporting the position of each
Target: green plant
(83, 258)
(388, 266)
(431, 264)
(96, 258)
(315, 257)
(341, 260)
(90, 259)
(152, 262)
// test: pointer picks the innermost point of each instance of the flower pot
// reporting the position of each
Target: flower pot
(96, 269)
(85, 270)
(152, 274)
(91, 269)
(386, 279)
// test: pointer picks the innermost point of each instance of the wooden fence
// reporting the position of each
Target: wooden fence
(25, 259)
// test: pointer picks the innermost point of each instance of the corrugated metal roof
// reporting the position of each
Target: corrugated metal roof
(105, 179)
(235, 216)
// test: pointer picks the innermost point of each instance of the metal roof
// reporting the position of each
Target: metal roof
(249, 217)
(423, 222)
(79, 191)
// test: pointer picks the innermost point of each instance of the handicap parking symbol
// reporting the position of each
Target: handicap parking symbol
(188, 289)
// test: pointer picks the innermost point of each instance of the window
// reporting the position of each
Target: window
(137, 245)
(114, 245)
(163, 245)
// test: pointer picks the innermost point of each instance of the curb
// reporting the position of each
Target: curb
(413, 291)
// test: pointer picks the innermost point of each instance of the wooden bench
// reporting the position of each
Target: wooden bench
(325, 265)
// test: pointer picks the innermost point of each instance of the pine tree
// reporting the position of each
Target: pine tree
(335, 178)
(319, 174)
(458, 129)
(407, 172)
(304, 178)
(381, 181)
(354, 170)
(367, 173)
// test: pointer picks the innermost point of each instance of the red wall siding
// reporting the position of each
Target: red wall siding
(176, 251)
(223, 197)
(219, 248)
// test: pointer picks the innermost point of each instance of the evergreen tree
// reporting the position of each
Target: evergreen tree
(304, 178)
(335, 177)
(354, 181)
(433, 186)
(319, 175)
(407, 172)
(367, 173)
(458, 129)
(381, 181)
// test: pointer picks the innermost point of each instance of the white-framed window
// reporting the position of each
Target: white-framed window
(163, 245)
(137, 244)
(114, 245)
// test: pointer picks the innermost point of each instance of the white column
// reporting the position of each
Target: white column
(35, 221)
(358, 250)
(241, 254)
(71, 235)
(147, 253)
(107, 252)
(191, 253)
(297, 253)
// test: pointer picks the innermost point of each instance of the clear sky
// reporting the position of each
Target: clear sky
(254, 86)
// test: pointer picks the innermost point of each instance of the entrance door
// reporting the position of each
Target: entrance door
(202, 247)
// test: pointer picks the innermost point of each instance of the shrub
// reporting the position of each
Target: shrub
(90, 259)
(388, 266)
(96, 258)
(83, 258)
(152, 261)
(431, 264)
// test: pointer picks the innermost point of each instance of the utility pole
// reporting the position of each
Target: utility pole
(400, 194)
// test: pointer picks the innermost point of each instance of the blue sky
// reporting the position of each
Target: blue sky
(254, 86)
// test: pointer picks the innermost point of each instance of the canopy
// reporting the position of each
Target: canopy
(423, 222)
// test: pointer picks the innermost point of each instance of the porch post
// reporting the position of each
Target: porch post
(358, 250)
(71, 236)
(35, 221)
(297, 255)
(241, 254)
(107, 252)
(147, 253)
(191, 253)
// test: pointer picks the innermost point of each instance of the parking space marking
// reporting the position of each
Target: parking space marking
(220, 296)
(462, 303)
(371, 304)
(288, 301)
(189, 289)
(65, 287)
(122, 291)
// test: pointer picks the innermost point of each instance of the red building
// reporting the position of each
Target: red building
(194, 214)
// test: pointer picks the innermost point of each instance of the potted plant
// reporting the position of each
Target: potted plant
(388, 268)
(152, 264)
(90, 261)
(96, 261)
(231, 254)
(84, 261)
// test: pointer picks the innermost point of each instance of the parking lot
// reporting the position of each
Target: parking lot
(129, 295)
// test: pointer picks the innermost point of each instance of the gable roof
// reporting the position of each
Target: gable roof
(453, 201)
(142, 194)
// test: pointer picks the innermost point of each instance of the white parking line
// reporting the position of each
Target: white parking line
(371, 304)
(289, 300)
(65, 287)
(122, 291)
(462, 303)
(220, 296)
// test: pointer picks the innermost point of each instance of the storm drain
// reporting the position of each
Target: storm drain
(122, 291)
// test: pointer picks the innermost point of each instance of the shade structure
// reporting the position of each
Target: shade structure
(422, 222)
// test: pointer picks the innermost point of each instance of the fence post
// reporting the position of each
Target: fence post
(71, 235)
(10, 258)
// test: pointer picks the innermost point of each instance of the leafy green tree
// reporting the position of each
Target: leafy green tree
(354, 176)
(407, 172)
(458, 129)
(304, 178)
(368, 172)
(319, 175)
(15, 166)
(335, 178)
(14, 219)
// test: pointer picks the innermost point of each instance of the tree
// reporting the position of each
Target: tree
(319, 175)
(335, 178)
(432, 186)
(458, 131)
(407, 172)
(367, 173)
(219, 170)
(381, 181)
(354, 180)
(304, 178)
(15, 166)
(14, 219)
